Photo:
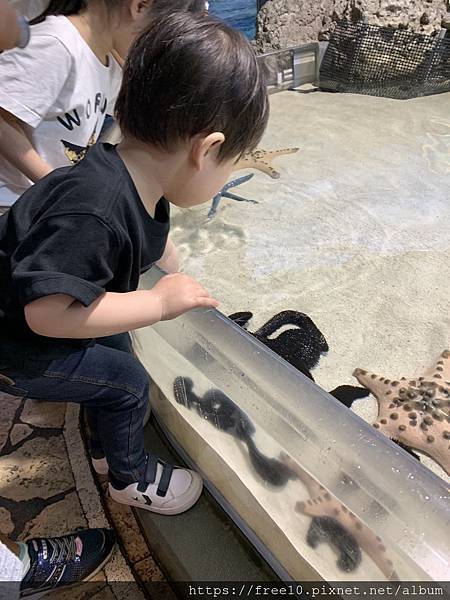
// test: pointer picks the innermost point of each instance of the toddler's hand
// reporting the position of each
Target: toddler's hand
(179, 293)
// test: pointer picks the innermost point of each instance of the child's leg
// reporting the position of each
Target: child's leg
(121, 342)
(109, 381)
(116, 385)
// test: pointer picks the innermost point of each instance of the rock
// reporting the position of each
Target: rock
(44, 414)
(8, 407)
(148, 570)
(117, 572)
(57, 519)
(19, 433)
(6, 524)
(128, 530)
(284, 23)
(39, 464)
(86, 488)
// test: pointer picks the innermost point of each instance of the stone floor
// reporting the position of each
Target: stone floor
(46, 490)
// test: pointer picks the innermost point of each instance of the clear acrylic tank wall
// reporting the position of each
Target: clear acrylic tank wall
(303, 459)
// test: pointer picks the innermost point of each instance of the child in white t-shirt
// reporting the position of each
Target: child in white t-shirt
(55, 94)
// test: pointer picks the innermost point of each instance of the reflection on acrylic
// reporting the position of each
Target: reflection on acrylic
(333, 523)
(219, 410)
(245, 459)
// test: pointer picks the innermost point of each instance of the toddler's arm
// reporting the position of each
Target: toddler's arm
(17, 148)
(33, 81)
(60, 316)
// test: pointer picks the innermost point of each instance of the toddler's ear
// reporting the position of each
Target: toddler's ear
(204, 146)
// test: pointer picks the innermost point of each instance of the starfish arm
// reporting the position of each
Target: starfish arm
(238, 198)
(238, 181)
(327, 505)
(226, 187)
(274, 153)
(441, 368)
(235, 183)
(248, 163)
(371, 381)
(314, 488)
(224, 193)
(214, 206)
(262, 159)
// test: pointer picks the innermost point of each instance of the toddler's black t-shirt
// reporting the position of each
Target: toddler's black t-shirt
(80, 231)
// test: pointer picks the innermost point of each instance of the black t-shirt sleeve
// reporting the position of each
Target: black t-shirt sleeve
(65, 254)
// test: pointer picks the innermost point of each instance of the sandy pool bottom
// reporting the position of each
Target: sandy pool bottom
(354, 233)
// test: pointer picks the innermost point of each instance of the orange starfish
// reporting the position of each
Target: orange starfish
(324, 504)
(262, 159)
(417, 413)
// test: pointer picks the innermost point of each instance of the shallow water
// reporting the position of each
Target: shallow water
(354, 233)
(237, 13)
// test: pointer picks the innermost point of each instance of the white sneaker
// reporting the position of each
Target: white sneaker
(165, 489)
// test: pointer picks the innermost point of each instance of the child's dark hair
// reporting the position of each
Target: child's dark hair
(188, 74)
(73, 7)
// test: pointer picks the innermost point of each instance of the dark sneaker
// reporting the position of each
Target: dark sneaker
(57, 563)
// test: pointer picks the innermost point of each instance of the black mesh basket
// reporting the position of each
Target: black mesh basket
(384, 61)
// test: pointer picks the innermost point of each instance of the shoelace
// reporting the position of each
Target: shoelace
(62, 550)
(49, 563)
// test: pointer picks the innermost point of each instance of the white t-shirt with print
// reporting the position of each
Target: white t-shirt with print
(60, 89)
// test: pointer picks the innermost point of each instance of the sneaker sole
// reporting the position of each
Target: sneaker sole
(40, 594)
(188, 501)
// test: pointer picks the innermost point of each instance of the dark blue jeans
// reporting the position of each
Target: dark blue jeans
(108, 381)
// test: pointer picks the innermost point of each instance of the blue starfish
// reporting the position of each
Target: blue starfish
(224, 193)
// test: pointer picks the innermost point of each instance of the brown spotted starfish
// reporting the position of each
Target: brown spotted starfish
(415, 412)
(323, 504)
(262, 159)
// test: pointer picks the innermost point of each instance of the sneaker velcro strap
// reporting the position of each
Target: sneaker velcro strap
(150, 472)
(165, 480)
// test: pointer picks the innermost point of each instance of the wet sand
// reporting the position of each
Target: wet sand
(354, 233)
